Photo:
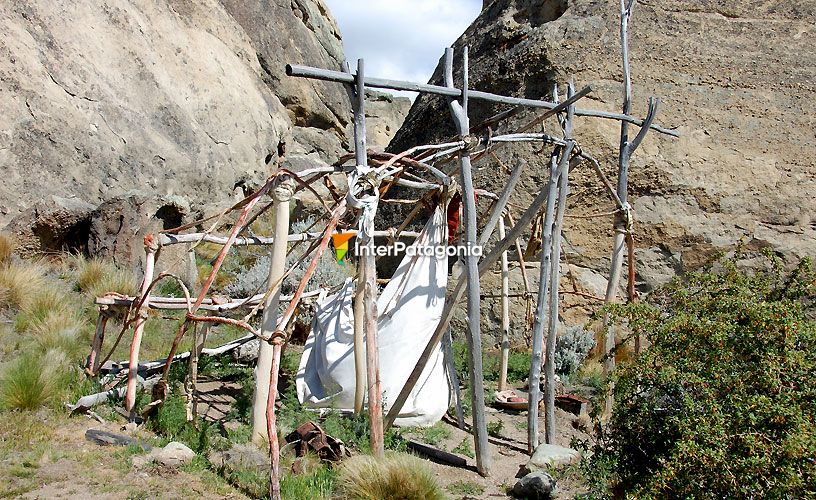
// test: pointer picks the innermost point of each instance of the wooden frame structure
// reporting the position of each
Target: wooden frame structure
(370, 176)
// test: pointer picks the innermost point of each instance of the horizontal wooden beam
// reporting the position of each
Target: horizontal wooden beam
(385, 83)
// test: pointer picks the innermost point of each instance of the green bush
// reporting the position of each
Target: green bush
(33, 380)
(722, 403)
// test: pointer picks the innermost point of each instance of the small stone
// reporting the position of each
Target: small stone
(550, 455)
(536, 486)
(248, 352)
(130, 427)
(174, 454)
(241, 457)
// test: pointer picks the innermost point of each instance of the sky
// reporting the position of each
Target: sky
(401, 39)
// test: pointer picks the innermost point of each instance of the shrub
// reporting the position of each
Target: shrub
(571, 348)
(495, 428)
(396, 476)
(722, 404)
(253, 279)
(32, 380)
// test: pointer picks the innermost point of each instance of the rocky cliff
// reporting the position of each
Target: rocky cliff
(736, 78)
(166, 97)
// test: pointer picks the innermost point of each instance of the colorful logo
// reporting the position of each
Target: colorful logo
(341, 245)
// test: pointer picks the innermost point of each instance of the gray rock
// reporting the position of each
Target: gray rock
(118, 228)
(535, 486)
(248, 352)
(546, 456)
(174, 454)
(171, 98)
(240, 457)
(51, 225)
(384, 116)
(728, 177)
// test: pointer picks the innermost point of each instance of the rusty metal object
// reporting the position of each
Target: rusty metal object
(310, 437)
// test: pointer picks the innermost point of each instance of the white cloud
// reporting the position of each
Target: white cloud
(401, 39)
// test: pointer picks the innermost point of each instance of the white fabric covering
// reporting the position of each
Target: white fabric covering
(409, 308)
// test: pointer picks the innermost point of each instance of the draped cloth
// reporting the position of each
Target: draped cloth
(409, 310)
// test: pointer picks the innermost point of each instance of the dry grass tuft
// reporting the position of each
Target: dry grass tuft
(97, 277)
(396, 476)
(20, 283)
(6, 248)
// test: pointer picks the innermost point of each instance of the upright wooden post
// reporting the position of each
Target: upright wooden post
(534, 379)
(447, 351)
(505, 313)
(369, 281)
(151, 247)
(361, 158)
(555, 274)
(459, 112)
(359, 341)
(92, 366)
(281, 194)
(623, 218)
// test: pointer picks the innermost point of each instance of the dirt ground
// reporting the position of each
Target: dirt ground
(46, 455)
(508, 453)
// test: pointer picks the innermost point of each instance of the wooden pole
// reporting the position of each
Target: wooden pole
(505, 313)
(459, 113)
(359, 342)
(151, 246)
(453, 297)
(555, 274)
(523, 268)
(369, 282)
(453, 92)
(623, 219)
(200, 333)
(281, 194)
(361, 158)
(534, 379)
(92, 366)
(447, 351)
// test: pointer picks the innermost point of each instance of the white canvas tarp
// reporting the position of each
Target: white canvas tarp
(409, 309)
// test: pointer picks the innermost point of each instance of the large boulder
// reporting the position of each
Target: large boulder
(300, 32)
(168, 97)
(52, 224)
(743, 169)
(384, 116)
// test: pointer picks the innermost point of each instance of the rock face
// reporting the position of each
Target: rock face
(170, 97)
(735, 77)
(384, 116)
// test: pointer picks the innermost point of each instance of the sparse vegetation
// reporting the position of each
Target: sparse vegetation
(469, 488)
(465, 448)
(97, 277)
(495, 428)
(435, 435)
(396, 477)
